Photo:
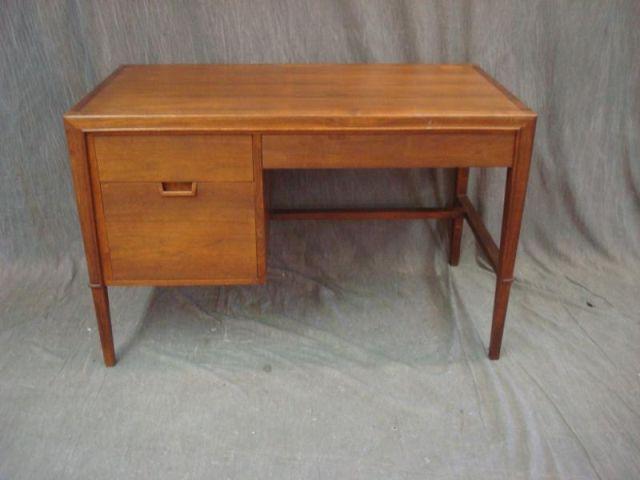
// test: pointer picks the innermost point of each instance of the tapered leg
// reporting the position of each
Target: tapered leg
(101, 303)
(82, 180)
(516, 188)
(462, 179)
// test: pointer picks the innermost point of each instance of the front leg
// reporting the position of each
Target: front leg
(516, 188)
(81, 173)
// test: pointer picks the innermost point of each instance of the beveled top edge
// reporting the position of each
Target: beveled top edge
(77, 113)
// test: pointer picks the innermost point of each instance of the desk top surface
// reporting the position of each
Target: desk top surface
(331, 92)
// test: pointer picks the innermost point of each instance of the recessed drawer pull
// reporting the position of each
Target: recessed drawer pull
(178, 189)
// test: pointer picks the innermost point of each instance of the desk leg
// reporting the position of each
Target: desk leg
(101, 303)
(82, 178)
(462, 179)
(516, 188)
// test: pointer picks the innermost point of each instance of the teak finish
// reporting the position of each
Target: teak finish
(154, 158)
(168, 162)
(208, 235)
(415, 150)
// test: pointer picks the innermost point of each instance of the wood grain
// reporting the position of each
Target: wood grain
(168, 162)
(388, 151)
(83, 180)
(514, 197)
(294, 97)
(209, 236)
(174, 158)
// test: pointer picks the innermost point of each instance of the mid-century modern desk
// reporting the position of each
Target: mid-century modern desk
(168, 162)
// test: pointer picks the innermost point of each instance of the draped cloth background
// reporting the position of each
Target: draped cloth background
(364, 356)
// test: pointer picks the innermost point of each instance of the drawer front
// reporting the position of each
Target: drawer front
(399, 150)
(204, 234)
(163, 157)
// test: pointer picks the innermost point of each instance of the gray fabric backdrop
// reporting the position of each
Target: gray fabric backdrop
(364, 355)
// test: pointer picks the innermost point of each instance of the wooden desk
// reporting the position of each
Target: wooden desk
(168, 162)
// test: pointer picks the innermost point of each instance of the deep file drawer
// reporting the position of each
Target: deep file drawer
(177, 232)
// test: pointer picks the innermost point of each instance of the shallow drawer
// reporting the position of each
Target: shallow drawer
(213, 158)
(399, 150)
(177, 232)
